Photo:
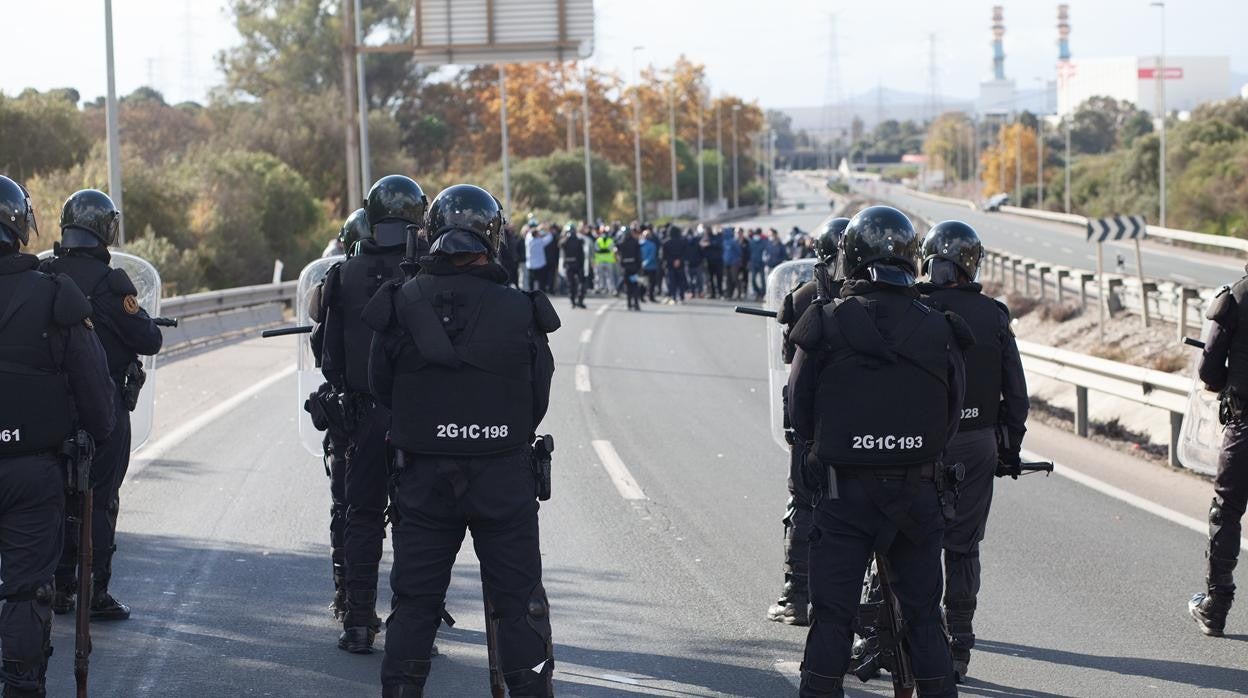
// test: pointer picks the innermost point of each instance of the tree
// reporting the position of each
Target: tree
(1096, 124)
(1015, 148)
(41, 133)
(947, 138)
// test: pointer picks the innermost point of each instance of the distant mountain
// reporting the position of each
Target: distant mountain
(872, 106)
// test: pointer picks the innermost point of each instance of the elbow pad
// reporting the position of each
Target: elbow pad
(962, 333)
(544, 315)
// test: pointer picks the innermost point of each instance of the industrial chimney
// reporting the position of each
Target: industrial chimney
(998, 51)
(1063, 32)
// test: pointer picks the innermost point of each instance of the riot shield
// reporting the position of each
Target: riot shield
(1200, 439)
(782, 280)
(310, 377)
(147, 281)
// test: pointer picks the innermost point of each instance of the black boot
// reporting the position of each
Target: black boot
(793, 606)
(816, 686)
(105, 607)
(1209, 609)
(959, 618)
(360, 624)
(357, 639)
(63, 602)
(338, 607)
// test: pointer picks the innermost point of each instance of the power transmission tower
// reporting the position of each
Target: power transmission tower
(933, 99)
(831, 92)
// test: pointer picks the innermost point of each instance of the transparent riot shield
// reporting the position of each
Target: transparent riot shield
(782, 280)
(1200, 439)
(310, 377)
(147, 281)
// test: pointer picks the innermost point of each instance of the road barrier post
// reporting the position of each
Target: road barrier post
(1042, 269)
(1081, 410)
(1014, 275)
(1148, 289)
(1084, 278)
(1059, 275)
(1027, 267)
(1185, 294)
(1176, 426)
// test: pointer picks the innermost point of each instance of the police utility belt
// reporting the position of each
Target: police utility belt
(539, 458)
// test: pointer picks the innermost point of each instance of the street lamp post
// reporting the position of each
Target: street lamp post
(1161, 112)
(637, 135)
(1040, 146)
(110, 118)
(1018, 161)
(736, 160)
(671, 140)
(719, 149)
(701, 173)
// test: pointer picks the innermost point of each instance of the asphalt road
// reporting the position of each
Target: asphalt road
(1064, 244)
(662, 545)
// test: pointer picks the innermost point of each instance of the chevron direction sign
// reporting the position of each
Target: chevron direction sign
(1116, 228)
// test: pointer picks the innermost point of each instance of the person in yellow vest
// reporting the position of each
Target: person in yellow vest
(604, 263)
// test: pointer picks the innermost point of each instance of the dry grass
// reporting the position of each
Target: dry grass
(1168, 362)
(1053, 312)
(1112, 352)
(1020, 305)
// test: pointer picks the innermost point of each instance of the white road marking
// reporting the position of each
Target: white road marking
(154, 450)
(603, 308)
(620, 477)
(586, 335)
(582, 379)
(1067, 250)
(1184, 279)
(1201, 527)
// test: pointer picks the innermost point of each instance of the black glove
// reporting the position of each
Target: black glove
(814, 474)
(1009, 464)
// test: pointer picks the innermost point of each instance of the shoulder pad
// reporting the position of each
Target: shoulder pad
(961, 331)
(544, 315)
(316, 311)
(807, 332)
(120, 284)
(1226, 288)
(379, 312)
(330, 285)
(69, 306)
(1223, 307)
(1004, 308)
(787, 314)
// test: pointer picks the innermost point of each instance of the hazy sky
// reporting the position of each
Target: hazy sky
(776, 51)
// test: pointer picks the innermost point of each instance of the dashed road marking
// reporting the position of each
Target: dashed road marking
(620, 477)
(586, 335)
(603, 308)
(582, 379)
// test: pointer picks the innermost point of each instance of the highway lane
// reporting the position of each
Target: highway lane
(1065, 244)
(224, 554)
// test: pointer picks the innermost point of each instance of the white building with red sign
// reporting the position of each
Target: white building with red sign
(1190, 80)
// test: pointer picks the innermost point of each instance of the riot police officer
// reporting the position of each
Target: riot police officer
(792, 607)
(994, 416)
(394, 203)
(464, 460)
(1224, 369)
(88, 226)
(573, 247)
(354, 229)
(875, 394)
(52, 367)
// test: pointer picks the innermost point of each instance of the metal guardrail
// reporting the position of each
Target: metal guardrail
(1145, 386)
(1187, 236)
(207, 302)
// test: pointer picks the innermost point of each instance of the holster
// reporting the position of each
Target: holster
(78, 452)
(325, 406)
(540, 457)
(132, 381)
(948, 476)
(1230, 407)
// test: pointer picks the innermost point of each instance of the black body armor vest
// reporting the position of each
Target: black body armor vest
(36, 409)
(92, 278)
(1237, 356)
(467, 387)
(882, 394)
(981, 406)
(360, 277)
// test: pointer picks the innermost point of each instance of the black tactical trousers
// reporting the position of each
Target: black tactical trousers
(1230, 497)
(844, 538)
(32, 516)
(437, 500)
(977, 451)
(336, 464)
(715, 279)
(576, 284)
(364, 491)
(799, 517)
(108, 471)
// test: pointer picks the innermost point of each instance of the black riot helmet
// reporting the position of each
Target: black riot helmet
(17, 215)
(950, 247)
(394, 203)
(828, 240)
(880, 244)
(465, 219)
(354, 229)
(89, 218)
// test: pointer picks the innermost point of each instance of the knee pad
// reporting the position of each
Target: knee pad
(537, 615)
(1215, 512)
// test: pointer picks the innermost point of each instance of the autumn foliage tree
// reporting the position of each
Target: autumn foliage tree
(1014, 149)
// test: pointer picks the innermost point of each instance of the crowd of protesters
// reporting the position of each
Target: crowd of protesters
(644, 263)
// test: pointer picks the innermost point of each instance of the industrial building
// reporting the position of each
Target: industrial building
(1189, 81)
